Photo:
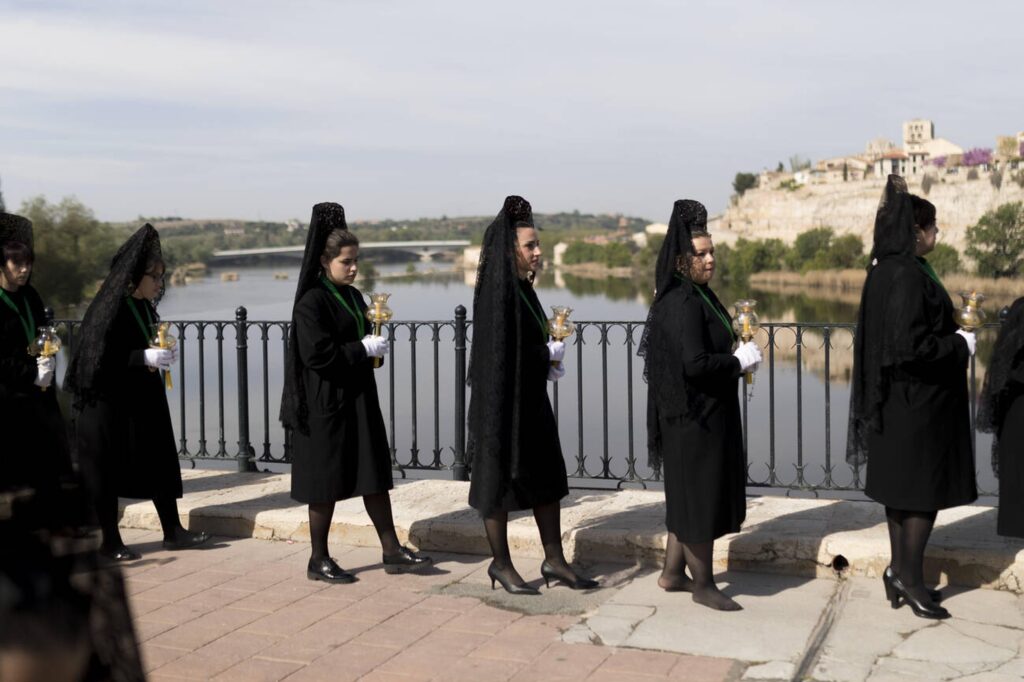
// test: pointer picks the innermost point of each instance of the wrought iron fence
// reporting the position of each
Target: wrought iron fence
(795, 439)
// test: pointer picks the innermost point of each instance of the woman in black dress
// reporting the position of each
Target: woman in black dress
(339, 443)
(693, 410)
(35, 452)
(124, 436)
(513, 445)
(1001, 413)
(908, 403)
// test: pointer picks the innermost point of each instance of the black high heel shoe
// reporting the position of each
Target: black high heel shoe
(575, 582)
(495, 576)
(888, 575)
(121, 553)
(895, 590)
(405, 560)
(328, 571)
(186, 540)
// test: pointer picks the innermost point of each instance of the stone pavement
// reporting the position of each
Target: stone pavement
(243, 610)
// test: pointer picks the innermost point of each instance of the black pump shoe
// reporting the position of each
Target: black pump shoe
(575, 582)
(186, 540)
(888, 575)
(921, 610)
(405, 560)
(495, 576)
(328, 571)
(121, 553)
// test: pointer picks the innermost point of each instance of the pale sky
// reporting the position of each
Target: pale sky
(258, 109)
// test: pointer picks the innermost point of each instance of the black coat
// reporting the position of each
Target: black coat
(702, 453)
(1011, 457)
(35, 448)
(921, 459)
(346, 453)
(125, 438)
(542, 477)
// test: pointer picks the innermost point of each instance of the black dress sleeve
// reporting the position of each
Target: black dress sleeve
(319, 349)
(17, 367)
(934, 341)
(699, 360)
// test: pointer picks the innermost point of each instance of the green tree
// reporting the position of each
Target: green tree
(617, 255)
(744, 181)
(73, 249)
(807, 245)
(997, 241)
(944, 259)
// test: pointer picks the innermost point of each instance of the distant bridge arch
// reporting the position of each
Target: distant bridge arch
(426, 250)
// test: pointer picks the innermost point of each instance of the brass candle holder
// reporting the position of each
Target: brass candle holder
(164, 341)
(47, 343)
(559, 326)
(970, 314)
(746, 324)
(378, 312)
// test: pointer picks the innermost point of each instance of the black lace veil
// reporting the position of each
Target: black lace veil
(1007, 355)
(15, 228)
(85, 371)
(880, 342)
(688, 216)
(326, 218)
(494, 371)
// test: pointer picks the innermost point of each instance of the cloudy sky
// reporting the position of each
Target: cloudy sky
(405, 108)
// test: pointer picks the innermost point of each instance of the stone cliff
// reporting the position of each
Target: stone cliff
(849, 208)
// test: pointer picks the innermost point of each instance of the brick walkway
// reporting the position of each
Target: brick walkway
(244, 610)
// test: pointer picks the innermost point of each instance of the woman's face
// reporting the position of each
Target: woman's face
(527, 251)
(342, 269)
(151, 284)
(702, 263)
(926, 238)
(15, 275)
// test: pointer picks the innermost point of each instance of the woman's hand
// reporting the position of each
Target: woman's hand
(159, 358)
(556, 372)
(970, 338)
(44, 371)
(556, 350)
(749, 355)
(376, 346)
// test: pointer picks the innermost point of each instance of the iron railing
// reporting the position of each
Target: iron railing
(795, 439)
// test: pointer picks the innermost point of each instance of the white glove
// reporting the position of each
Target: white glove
(970, 338)
(556, 372)
(556, 349)
(749, 355)
(158, 358)
(174, 354)
(44, 371)
(376, 346)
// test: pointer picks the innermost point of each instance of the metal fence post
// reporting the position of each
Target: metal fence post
(246, 455)
(460, 470)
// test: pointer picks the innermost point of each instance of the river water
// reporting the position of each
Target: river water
(593, 401)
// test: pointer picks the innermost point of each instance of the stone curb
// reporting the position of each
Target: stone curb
(781, 535)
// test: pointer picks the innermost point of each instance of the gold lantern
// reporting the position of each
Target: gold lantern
(559, 326)
(378, 312)
(46, 345)
(164, 341)
(746, 324)
(970, 315)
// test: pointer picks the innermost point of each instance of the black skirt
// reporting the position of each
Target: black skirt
(1011, 471)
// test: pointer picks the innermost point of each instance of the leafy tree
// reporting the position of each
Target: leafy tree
(807, 246)
(743, 182)
(780, 168)
(617, 255)
(73, 249)
(997, 241)
(798, 163)
(944, 259)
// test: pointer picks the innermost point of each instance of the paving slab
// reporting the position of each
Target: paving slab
(803, 537)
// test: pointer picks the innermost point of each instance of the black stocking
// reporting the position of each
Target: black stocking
(319, 526)
(917, 527)
(167, 510)
(496, 527)
(106, 514)
(699, 559)
(673, 574)
(894, 519)
(378, 507)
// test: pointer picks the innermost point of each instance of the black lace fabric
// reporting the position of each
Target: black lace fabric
(326, 218)
(687, 216)
(495, 376)
(15, 228)
(1007, 356)
(85, 371)
(880, 343)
